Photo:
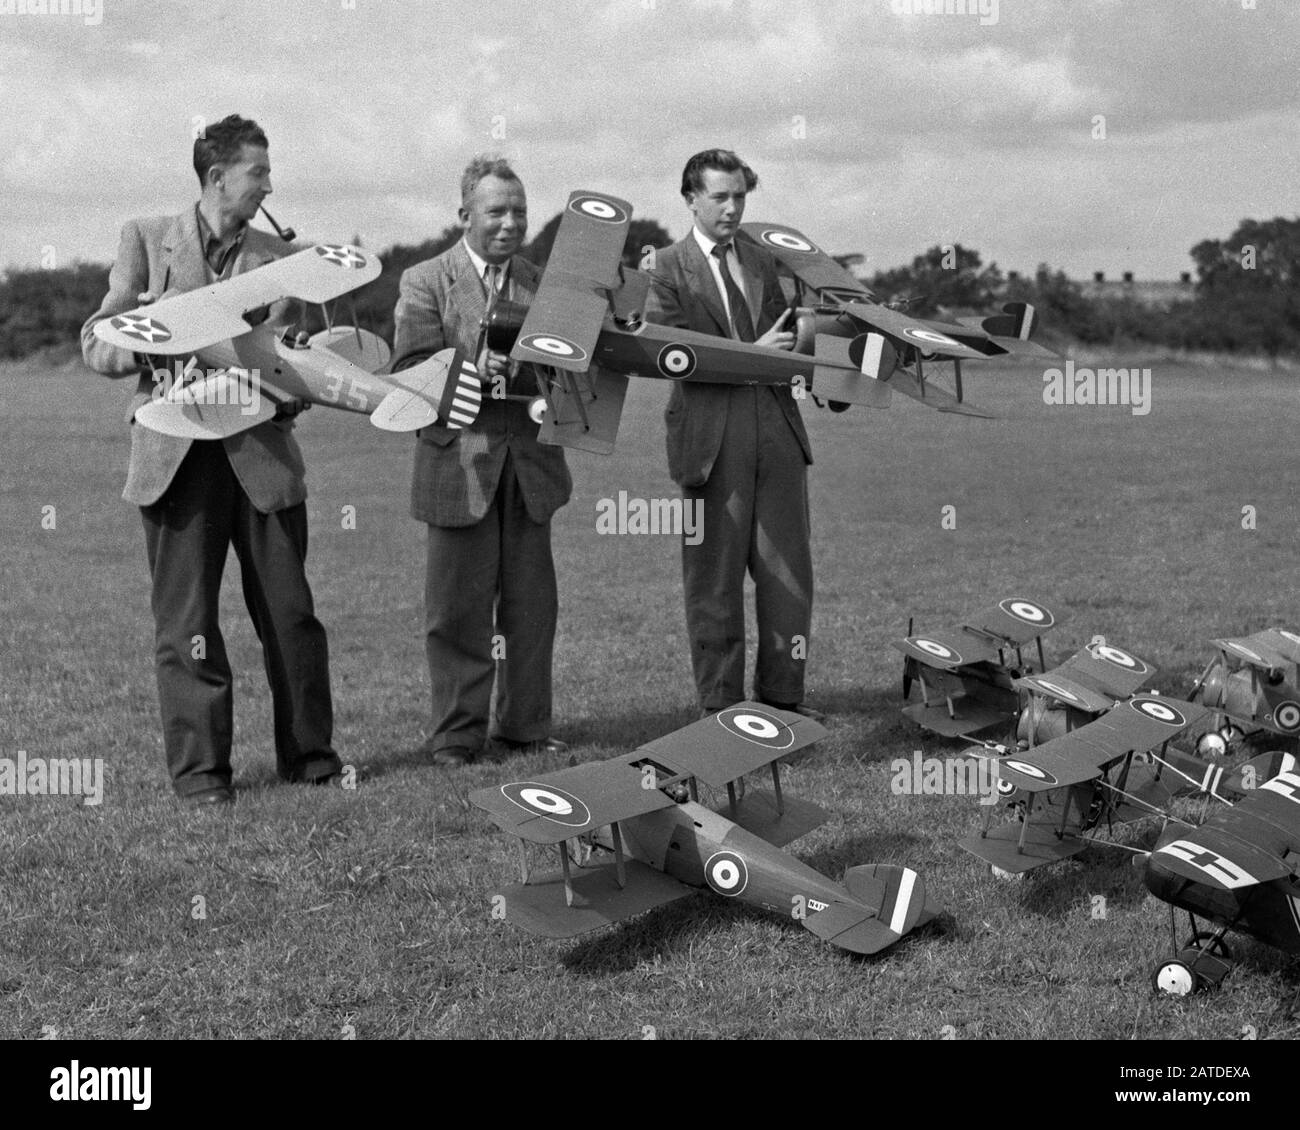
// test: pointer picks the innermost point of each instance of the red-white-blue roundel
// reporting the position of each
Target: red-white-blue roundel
(929, 337)
(598, 208)
(726, 873)
(340, 256)
(142, 327)
(756, 726)
(787, 241)
(676, 361)
(1118, 657)
(1059, 691)
(561, 348)
(935, 648)
(1028, 612)
(550, 801)
(1242, 649)
(1161, 712)
(1286, 716)
(1031, 771)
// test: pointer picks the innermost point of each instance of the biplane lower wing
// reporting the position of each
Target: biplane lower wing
(1004, 848)
(909, 384)
(969, 716)
(540, 907)
(215, 407)
(583, 411)
(758, 814)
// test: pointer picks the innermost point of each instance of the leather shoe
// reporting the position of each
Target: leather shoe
(541, 745)
(452, 757)
(205, 798)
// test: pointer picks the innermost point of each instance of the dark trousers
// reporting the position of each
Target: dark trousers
(755, 518)
(188, 533)
(490, 607)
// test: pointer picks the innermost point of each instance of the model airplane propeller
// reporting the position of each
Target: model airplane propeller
(643, 809)
(840, 305)
(584, 328)
(249, 371)
(967, 676)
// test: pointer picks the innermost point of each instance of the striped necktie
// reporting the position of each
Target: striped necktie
(742, 325)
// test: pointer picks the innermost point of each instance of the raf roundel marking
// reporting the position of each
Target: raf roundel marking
(1116, 656)
(1159, 711)
(554, 345)
(594, 208)
(1287, 716)
(142, 327)
(340, 256)
(1024, 768)
(929, 337)
(936, 649)
(726, 873)
(757, 727)
(676, 361)
(1028, 611)
(548, 800)
(787, 241)
(1060, 692)
(1006, 788)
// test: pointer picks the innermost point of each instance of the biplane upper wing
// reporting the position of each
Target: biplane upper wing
(1240, 846)
(806, 261)
(733, 742)
(565, 317)
(1015, 620)
(1133, 726)
(186, 323)
(1272, 649)
(1092, 679)
(946, 650)
(911, 331)
(557, 806)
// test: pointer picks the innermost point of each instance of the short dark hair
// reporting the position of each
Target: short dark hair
(222, 143)
(724, 160)
(480, 166)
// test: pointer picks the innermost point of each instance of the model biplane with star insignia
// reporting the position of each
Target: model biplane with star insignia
(967, 677)
(1240, 870)
(239, 374)
(584, 332)
(1102, 774)
(833, 303)
(643, 809)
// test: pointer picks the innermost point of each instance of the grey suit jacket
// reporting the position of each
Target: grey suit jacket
(440, 306)
(684, 294)
(158, 254)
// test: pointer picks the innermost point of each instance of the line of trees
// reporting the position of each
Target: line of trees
(1246, 298)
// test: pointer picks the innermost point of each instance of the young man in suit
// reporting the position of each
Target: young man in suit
(198, 497)
(741, 451)
(486, 492)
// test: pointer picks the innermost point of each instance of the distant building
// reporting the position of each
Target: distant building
(1157, 293)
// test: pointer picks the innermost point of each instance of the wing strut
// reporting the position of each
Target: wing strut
(563, 845)
(619, 870)
(956, 367)
(776, 788)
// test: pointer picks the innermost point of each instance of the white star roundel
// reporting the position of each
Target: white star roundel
(676, 361)
(1031, 771)
(556, 346)
(550, 801)
(726, 873)
(1287, 716)
(340, 256)
(787, 241)
(1153, 708)
(1027, 611)
(598, 208)
(141, 327)
(1117, 656)
(756, 726)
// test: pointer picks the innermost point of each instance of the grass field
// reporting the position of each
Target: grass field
(331, 913)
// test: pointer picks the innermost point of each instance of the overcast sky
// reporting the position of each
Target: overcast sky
(873, 128)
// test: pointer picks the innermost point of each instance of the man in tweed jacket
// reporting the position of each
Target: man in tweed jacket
(487, 492)
(199, 497)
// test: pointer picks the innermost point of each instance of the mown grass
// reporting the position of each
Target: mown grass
(328, 913)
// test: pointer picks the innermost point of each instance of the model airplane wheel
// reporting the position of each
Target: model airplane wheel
(1006, 876)
(1174, 978)
(1205, 942)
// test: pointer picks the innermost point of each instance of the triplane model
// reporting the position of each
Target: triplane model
(249, 371)
(643, 809)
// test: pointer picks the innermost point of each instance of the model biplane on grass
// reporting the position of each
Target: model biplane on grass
(835, 304)
(1075, 692)
(585, 331)
(1251, 686)
(1240, 870)
(967, 677)
(1097, 775)
(243, 373)
(643, 809)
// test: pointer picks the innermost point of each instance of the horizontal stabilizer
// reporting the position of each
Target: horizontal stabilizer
(852, 928)
(539, 906)
(213, 408)
(444, 389)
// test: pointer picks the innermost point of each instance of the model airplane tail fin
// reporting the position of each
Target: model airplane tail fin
(888, 901)
(445, 390)
(1018, 320)
(854, 371)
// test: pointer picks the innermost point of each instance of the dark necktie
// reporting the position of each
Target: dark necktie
(741, 323)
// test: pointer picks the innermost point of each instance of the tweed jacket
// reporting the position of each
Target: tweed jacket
(683, 293)
(164, 253)
(441, 305)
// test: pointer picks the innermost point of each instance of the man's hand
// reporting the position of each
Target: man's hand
(291, 408)
(495, 365)
(777, 337)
